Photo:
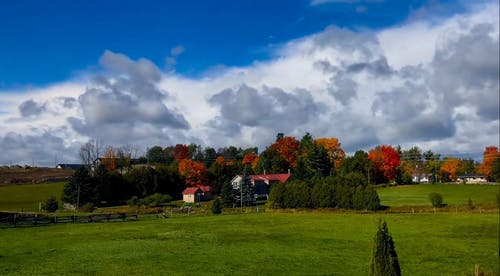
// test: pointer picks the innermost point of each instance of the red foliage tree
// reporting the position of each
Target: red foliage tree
(287, 147)
(180, 152)
(193, 172)
(386, 160)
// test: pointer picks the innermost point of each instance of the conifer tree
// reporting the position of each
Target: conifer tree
(384, 257)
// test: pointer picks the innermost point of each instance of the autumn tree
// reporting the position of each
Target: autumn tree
(180, 152)
(489, 155)
(250, 159)
(193, 172)
(109, 160)
(449, 168)
(332, 147)
(286, 147)
(386, 162)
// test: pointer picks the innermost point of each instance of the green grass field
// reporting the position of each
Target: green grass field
(453, 194)
(248, 244)
(27, 197)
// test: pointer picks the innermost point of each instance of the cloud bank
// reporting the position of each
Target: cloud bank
(432, 84)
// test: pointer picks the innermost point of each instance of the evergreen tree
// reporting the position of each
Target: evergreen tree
(384, 257)
(277, 196)
(216, 206)
(227, 194)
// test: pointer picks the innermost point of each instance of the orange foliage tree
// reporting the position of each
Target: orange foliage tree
(287, 147)
(386, 160)
(220, 160)
(109, 159)
(180, 152)
(251, 159)
(335, 152)
(489, 155)
(193, 172)
(450, 167)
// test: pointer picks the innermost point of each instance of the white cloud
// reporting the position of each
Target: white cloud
(416, 83)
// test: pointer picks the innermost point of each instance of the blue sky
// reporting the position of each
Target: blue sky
(50, 41)
(219, 73)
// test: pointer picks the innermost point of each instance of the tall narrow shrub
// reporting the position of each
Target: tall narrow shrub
(384, 257)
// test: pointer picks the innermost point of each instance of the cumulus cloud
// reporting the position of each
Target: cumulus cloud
(31, 108)
(128, 104)
(434, 84)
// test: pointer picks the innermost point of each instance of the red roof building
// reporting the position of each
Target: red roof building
(197, 194)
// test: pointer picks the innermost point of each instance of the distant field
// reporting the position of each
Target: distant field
(27, 197)
(453, 194)
(250, 244)
(13, 175)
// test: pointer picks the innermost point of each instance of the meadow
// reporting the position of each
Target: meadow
(453, 194)
(316, 243)
(27, 197)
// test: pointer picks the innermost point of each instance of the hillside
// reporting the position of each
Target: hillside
(21, 175)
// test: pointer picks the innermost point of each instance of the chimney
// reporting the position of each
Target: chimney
(288, 171)
(264, 171)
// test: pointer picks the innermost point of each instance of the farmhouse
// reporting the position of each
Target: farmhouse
(69, 166)
(197, 194)
(261, 183)
(472, 178)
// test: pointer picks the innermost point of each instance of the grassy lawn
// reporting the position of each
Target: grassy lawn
(248, 244)
(453, 194)
(27, 197)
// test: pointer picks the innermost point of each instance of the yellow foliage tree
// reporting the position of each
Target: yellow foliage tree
(335, 152)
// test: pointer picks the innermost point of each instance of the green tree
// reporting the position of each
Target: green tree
(216, 206)
(495, 170)
(277, 196)
(384, 257)
(80, 189)
(436, 200)
(155, 155)
(51, 204)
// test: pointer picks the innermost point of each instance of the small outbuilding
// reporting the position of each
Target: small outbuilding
(197, 194)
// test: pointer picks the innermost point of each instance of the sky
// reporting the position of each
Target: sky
(220, 73)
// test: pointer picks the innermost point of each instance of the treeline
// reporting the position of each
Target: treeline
(100, 186)
(168, 170)
(347, 192)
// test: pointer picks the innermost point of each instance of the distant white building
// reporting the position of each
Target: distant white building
(472, 179)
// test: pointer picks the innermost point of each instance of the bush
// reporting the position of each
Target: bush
(87, 207)
(216, 206)
(134, 201)
(470, 204)
(157, 199)
(436, 200)
(51, 204)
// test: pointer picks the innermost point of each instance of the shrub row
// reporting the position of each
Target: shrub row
(350, 192)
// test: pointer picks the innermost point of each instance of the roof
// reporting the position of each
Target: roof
(190, 190)
(70, 166)
(205, 189)
(471, 176)
(281, 177)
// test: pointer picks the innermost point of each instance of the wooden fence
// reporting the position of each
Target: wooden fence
(27, 220)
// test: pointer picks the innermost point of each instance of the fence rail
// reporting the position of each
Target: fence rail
(27, 220)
